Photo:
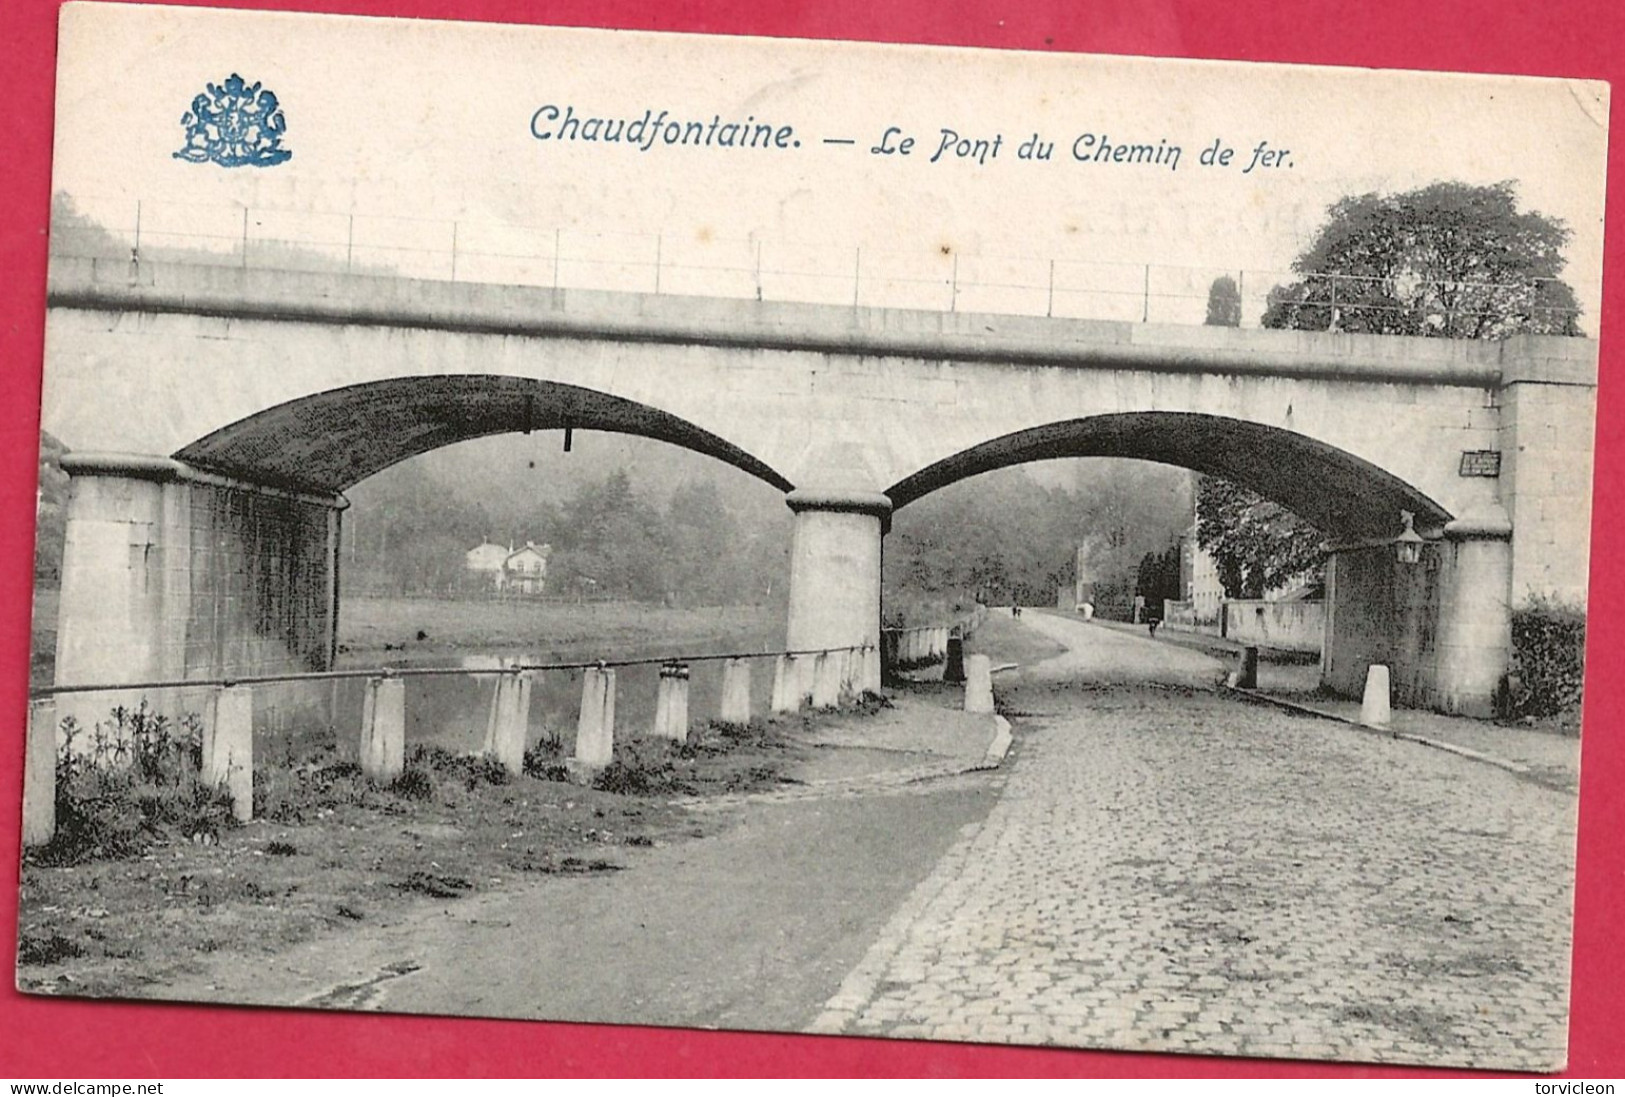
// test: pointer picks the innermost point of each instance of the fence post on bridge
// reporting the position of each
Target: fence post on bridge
(39, 776)
(671, 703)
(228, 749)
(595, 729)
(506, 729)
(735, 706)
(383, 729)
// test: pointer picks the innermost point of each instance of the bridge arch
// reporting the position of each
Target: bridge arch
(1343, 495)
(1440, 624)
(332, 440)
(222, 560)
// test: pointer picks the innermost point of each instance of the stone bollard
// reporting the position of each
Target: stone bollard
(671, 703)
(735, 706)
(953, 667)
(383, 729)
(786, 673)
(39, 776)
(1247, 676)
(851, 667)
(871, 680)
(806, 677)
(228, 749)
(509, 722)
(786, 685)
(595, 728)
(826, 689)
(978, 684)
(1375, 708)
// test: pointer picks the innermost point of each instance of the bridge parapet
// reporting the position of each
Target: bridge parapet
(490, 309)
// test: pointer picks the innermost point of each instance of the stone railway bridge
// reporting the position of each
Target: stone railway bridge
(216, 416)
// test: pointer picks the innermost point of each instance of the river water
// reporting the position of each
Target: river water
(295, 721)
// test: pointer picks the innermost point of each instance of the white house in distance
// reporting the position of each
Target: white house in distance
(510, 570)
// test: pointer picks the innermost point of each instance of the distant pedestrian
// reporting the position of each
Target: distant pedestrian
(1152, 625)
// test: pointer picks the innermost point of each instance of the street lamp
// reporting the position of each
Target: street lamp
(1408, 545)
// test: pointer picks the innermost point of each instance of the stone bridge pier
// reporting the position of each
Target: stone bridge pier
(835, 557)
(169, 572)
(1442, 625)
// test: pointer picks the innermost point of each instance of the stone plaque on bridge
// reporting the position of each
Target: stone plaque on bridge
(522, 569)
(1481, 462)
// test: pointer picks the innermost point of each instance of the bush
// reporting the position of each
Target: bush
(643, 767)
(1548, 650)
(469, 770)
(544, 759)
(136, 781)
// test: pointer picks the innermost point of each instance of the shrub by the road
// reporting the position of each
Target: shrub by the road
(1548, 645)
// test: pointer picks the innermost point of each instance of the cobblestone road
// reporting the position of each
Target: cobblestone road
(1172, 869)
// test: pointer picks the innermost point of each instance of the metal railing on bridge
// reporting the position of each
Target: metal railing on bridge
(933, 279)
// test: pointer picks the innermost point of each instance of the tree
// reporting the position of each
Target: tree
(1257, 545)
(1158, 579)
(1449, 260)
(1223, 303)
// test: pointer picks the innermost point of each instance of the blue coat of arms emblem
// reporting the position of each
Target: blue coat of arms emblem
(235, 124)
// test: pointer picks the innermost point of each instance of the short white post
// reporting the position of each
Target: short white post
(671, 703)
(1375, 706)
(383, 729)
(509, 722)
(662, 702)
(228, 749)
(786, 685)
(595, 729)
(978, 684)
(806, 678)
(826, 690)
(871, 669)
(735, 707)
(39, 777)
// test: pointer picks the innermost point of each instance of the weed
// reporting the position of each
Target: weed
(469, 770)
(136, 783)
(414, 783)
(49, 947)
(280, 849)
(645, 766)
(293, 795)
(436, 885)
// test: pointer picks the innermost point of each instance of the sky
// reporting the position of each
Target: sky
(405, 132)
